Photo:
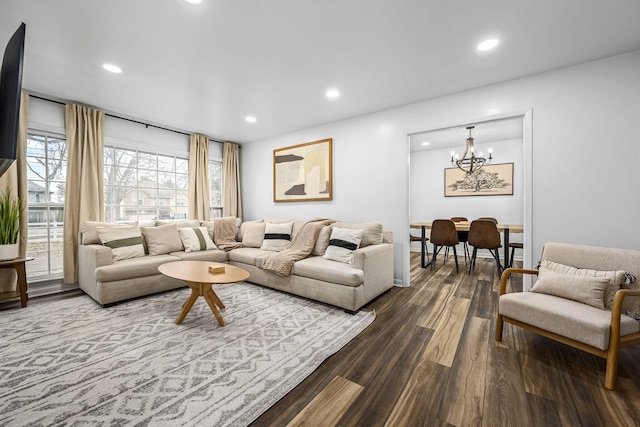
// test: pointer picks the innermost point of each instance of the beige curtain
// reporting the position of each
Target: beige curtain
(199, 197)
(84, 195)
(232, 203)
(15, 179)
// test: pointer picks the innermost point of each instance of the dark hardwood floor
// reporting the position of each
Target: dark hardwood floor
(430, 359)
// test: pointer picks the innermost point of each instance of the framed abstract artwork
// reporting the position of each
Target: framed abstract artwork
(302, 173)
(489, 180)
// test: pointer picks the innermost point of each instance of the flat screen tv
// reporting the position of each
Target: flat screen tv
(10, 89)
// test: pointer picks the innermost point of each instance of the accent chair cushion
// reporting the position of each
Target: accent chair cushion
(196, 239)
(125, 241)
(162, 239)
(587, 290)
(342, 243)
(277, 236)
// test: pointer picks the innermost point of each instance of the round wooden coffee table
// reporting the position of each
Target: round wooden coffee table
(196, 274)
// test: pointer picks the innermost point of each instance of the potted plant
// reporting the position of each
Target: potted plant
(9, 225)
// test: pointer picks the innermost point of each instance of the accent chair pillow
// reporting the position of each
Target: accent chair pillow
(615, 279)
(586, 290)
(253, 234)
(342, 243)
(162, 239)
(276, 236)
(125, 241)
(196, 239)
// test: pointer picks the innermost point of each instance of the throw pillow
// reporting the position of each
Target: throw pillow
(371, 231)
(125, 241)
(323, 241)
(253, 234)
(89, 231)
(162, 239)
(587, 290)
(342, 243)
(196, 239)
(276, 236)
(615, 278)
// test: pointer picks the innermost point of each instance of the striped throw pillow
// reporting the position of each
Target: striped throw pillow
(125, 242)
(196, 239)
(276, 236)
(342, 243)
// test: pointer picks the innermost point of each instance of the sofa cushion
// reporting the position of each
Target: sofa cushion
(132, 268)
(318, 268)
(371, 231)
(323, 241)
(162, 239)
(125, 241)
(179, 224)
(248, 256)
(89, 231)
(277, 236)
(253, 234)
(587, 290)
(196, 239)
(342, 243)
(580, 322)
(213, 255)
(615, 278)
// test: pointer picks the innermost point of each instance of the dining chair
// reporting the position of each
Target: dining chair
(489, 218)
(443, 234)
(513, 246)
(463, 237)
(484, 234)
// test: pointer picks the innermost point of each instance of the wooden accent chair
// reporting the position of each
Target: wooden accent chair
(443, 234)
(599, 331)
(484, 234)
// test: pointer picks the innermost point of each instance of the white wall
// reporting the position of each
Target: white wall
(585, 153)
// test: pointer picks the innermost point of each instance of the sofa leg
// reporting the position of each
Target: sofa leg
(611, 372)
(351, 311)
(499, 326)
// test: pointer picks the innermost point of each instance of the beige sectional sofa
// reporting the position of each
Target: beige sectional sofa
(348, 284)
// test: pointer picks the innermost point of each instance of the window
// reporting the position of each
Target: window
(141, 186)
(46, 175)
(215, 188)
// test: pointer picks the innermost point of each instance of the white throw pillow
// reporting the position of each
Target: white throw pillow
(253, 234)
(276, 236)
(196, 239)
(125, 241)
(162, 239)
(342, 243)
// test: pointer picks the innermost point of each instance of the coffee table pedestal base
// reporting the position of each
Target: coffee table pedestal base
(206, 291)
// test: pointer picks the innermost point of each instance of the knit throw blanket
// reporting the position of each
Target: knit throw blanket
(300, 247)
(224, 233)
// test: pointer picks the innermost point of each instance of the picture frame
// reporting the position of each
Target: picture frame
(303, 172)
(489, 180)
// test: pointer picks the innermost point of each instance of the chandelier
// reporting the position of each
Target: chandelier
(471, 160)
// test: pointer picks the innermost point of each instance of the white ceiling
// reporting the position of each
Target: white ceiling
(455, 137)
(205, 68)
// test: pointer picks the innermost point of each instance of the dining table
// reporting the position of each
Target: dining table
(506, 229)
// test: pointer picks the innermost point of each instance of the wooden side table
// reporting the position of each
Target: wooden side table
(21, 288)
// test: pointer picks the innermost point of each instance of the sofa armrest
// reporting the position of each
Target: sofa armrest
(91, 257)
(508, 272)
(376, 261)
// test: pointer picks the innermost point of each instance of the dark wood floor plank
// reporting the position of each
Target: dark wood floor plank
(444, 343)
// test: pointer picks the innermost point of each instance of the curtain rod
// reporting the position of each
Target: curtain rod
(124, 118)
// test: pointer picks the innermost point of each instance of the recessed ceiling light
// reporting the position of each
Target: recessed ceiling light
(194, 1)
(426, 143)
(332, 93)
(250, 119)
(488, 44)
(112, 68)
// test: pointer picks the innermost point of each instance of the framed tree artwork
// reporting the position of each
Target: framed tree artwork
(489, 180)
(302, 173)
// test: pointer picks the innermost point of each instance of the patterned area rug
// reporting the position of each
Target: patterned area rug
(71, 362)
